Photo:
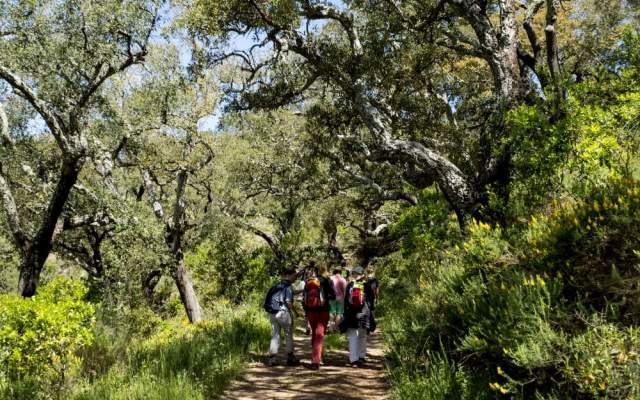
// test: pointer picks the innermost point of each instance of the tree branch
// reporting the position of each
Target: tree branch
(5, 136)
(11, 212)
(51, 118)
(151, 190)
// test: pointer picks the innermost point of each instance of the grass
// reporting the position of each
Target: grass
(335, 341)
(182, 361)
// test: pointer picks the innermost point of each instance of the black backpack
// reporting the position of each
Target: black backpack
(275, 289)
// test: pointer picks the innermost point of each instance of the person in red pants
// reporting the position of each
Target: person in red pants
(318, 291)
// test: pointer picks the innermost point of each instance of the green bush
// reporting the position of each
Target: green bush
(39, 338)
(544, 311)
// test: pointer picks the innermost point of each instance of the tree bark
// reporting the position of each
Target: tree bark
(553, 61)
(175, 234)
(186, 289)
(39, 248)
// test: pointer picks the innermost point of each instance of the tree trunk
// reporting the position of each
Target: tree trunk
(180, 274)
(186, 289)
(38, 250)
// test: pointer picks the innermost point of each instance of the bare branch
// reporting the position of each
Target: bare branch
(385, 194)
(5, 136)
(325, 11)
(530, 12)
(51, 118)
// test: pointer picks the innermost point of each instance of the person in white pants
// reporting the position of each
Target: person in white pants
(279, 304)
(357, 344)
(357, 317)
(281, 320)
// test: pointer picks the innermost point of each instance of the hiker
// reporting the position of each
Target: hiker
(318, 292)
(373, 286)
(358, 321)
(336, 307)
(306, 274)
(279, 304)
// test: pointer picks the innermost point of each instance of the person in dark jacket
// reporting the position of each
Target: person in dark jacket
(357, 321)
(318, 291)
(279, 304)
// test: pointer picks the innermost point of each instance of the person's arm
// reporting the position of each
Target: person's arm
(288, 297)
(330, 291)
(347, 306)
(343, 286)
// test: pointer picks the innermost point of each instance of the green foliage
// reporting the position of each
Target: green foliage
(545, 311)
(592, 241)
(39, 338)
(223, 269)
(180, 360)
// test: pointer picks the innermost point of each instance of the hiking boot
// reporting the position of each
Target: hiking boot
(271, 361)
(355, 364)
(362, 361)
(314, 367)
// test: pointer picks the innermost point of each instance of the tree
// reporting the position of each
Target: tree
(172, 157)
(56, 56)
(271, 177)
(402, 82)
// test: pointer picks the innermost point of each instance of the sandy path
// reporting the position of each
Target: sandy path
(335, 380)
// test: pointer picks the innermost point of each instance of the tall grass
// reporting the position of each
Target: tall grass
(180, 361)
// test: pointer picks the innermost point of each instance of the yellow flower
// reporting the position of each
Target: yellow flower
(500, 371)
(499, 388)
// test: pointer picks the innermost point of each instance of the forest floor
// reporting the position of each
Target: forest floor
(335, 380)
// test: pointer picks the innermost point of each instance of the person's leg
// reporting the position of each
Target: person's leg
(312, 321)
(339, 311)
(288, 333)
(275, 339)
(352, 335)
(275, 336)
(322, 319)
(362, 344)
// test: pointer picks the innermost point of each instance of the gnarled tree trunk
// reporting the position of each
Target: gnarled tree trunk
(37, 251)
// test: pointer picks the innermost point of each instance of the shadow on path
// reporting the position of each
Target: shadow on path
(334, 381)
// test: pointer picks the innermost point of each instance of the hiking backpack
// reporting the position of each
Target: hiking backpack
(274, 291)
(356, 295)
(313, 295)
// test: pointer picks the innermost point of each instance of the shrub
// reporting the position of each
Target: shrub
(545, 311)
(40, 336)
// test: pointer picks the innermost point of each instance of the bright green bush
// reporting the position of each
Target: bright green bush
(39, 338)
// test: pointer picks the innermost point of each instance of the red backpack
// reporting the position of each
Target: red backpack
(356, 295)
(313, 294)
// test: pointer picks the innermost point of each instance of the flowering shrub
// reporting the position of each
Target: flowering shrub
(547, 311)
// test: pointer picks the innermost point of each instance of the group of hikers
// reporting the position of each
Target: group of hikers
(344, 301)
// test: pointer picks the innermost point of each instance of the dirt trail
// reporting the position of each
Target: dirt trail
(334, 381)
